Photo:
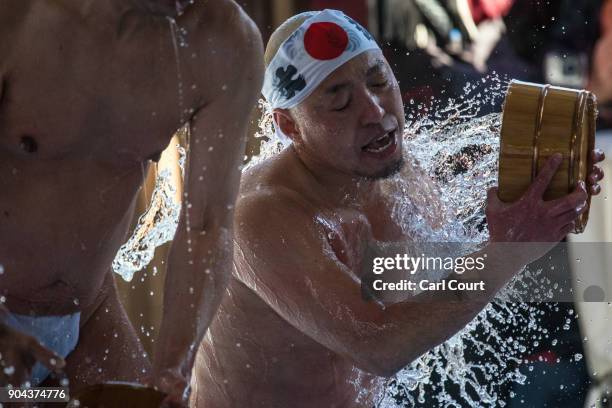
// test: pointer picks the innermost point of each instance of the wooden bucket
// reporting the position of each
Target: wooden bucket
(116, 394)
(538, 121)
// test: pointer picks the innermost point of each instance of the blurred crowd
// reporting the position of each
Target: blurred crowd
(436, 46)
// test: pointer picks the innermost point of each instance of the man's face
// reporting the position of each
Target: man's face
(353, 121)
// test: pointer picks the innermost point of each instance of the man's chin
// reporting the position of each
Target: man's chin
(388, 172)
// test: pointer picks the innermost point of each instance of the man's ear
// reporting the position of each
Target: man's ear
(286, 123)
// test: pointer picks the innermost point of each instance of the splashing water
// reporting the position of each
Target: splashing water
(458, 147)
(154, 228)
(159, 222)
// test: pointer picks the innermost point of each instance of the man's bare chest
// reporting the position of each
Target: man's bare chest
(103, 99)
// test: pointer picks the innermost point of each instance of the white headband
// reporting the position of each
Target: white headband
(317, 48)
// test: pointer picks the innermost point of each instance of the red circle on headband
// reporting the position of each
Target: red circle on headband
(325, 41)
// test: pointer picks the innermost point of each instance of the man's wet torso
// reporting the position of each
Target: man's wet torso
(251, 355)
(90, 94)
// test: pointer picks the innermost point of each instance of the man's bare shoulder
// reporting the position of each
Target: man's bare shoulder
(273, 192)
(219, 15)
(263, 201)
(223, 32)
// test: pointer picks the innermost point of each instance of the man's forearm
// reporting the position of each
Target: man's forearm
(199, 267)
(414, 326)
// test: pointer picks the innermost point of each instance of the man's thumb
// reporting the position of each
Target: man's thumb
(492, 197)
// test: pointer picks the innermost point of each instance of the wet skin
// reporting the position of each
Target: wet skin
(293, 329)
(89, 96)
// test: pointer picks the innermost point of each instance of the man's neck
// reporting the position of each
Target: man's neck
(339, 188)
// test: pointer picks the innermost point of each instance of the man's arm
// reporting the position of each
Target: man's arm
(199, 263)
(294, 270)
(292, 267)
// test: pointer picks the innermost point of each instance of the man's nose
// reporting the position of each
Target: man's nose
(373, 111)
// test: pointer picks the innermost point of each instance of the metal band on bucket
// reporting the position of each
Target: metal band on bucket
(538, 131)
(576, 125)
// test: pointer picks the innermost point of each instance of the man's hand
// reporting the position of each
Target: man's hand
(18, 354)
(531, 219)
(596, 174)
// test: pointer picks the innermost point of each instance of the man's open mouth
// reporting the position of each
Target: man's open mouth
(380, 144)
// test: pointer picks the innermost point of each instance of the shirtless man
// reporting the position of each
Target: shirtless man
(294, 330)
(92, 91)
